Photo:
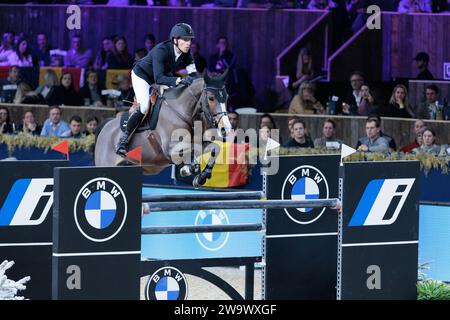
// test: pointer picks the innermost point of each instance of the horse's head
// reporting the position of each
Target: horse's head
(213, 103)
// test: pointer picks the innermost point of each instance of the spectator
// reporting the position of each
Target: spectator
(220, 61)
(264, 135)
(6, 125)
(91, 92)
(126, 90)
(300, 139)
(419, 126)
(54, 126)
(75, 129)
(139, 54)
(23, 90)
(65, 93)
(291, 121)
(368, 103)
(8, 86)
(39, 96)
(305, 70)
(91, 126)
(413, 6)
(429, 108)
(422, 60)
(353, 99)
(199, 60)
(305, 102)
(428, 143)
(234, 121)
(22, 55)
(328, 139)
(6, 48)
(119, 57)
(29, 125)
(149, 42)
(100, 59)
(399, 106)
(390, 139)
(267, 120)
(373, 142)
(41, 51)
(77, 56)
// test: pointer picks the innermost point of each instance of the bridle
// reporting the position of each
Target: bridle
(221, 96)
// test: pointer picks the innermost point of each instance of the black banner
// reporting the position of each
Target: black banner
(97, 232)
(379, 231)
(26, 197)
(300, 248)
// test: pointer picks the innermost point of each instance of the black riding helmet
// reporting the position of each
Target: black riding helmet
(181, 30)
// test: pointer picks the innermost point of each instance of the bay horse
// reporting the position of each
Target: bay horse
(205, 99)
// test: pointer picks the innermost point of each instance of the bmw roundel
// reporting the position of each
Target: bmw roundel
(305, 183)
(100, 209)
(212, 241)
(167, 283)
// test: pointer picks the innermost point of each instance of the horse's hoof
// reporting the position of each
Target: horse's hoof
(198, 181)
(186, 171)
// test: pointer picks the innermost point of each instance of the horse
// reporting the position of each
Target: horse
(205, 99)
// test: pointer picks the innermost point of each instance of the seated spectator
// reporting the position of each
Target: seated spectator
(305, 102)
(390, 139)
(91, 92)
(373, 142)
(149, 42)
(39, 96)
(56, 60)
(41, 52)
(139, 54)
(126, 97)
(328, 139)
(305, 71)
(353, 99)
(264, 135)
(119, 57)
(199, 60)
(267, 120)
(414, 6)
(422, 60)
(54, 126)
(65, 93)
(23, 90)
(29, 125)
(418, 141)
(368, 103)
(8, 86)
(91, 126)
(399, 106)
(100, 59)
(428, 109)
(300, 139)
(6, 125)
(77, 56)
(428, 143)
(75, 129)
(234, 121)
(22, 55)
(6, 48)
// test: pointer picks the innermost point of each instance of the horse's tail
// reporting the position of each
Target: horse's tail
(97, 132)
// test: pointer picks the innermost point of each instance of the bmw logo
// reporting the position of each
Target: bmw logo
(305, 183)
(100, 209)
(167, 283)
(212, 241)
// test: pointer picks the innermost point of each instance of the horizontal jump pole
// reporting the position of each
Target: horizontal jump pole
(245, 195)
(241, 204)
(202, 228)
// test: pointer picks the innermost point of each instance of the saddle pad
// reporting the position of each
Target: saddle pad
(149, 123)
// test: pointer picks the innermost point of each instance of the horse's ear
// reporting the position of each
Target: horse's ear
(206, 77)
(224, 76)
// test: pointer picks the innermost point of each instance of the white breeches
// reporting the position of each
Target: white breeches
(142, 91)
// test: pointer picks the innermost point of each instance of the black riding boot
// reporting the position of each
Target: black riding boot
(133, 122)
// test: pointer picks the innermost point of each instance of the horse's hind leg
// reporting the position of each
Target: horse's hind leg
(201, 178)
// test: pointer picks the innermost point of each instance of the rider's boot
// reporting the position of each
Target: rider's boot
(134, 120)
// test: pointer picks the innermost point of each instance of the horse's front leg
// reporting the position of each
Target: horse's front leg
(201, 178)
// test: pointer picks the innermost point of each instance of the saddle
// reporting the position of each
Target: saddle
(150, 119)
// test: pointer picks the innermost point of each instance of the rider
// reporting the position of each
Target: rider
(159, 67)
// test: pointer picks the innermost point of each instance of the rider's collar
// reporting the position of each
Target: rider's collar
(177, 55)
